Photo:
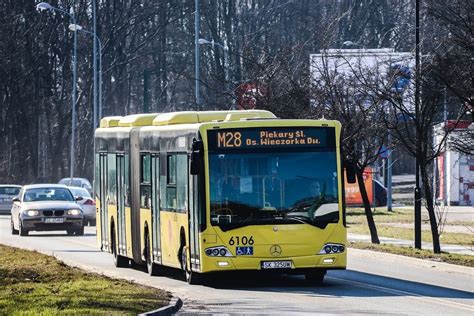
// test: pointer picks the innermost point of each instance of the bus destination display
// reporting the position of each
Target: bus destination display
(270, 137)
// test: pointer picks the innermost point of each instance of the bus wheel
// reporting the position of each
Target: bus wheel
(151, 267)
(119, 261)
(315, 276)
(190, 276)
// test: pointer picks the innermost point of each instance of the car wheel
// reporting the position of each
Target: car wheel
(79, 232)
(92, 222)
(315, 276)
(23, 232)
(14, 231)
(70, 232)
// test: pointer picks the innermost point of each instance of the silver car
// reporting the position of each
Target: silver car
(7, 193)
(86, 202)
(77, 182)
(46, 207)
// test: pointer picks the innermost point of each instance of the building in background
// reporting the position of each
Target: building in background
(454, 170)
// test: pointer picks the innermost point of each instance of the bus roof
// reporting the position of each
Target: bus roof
(110, 121)
(183, 117)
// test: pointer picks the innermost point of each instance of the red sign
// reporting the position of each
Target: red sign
(353, 196)
(250, 95)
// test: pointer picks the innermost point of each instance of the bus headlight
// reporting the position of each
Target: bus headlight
(220, 251)
(74, 212)
(332, 248)
(32, 213)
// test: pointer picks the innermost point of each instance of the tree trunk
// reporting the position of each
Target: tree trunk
(368, 211)
(430, 207)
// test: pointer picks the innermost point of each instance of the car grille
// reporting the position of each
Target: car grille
(55, 213)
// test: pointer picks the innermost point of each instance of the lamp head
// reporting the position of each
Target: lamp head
(202, 41)
(348, 43)
(75, 27)
(42, 6)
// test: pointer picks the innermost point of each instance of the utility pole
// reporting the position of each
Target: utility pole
(418, 138)
(196, 54)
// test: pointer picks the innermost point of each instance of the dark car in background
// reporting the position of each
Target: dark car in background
(7, 193)
(46, 207)
(77, 182)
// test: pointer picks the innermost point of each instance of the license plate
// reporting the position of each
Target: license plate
(276, 264)
(54, 220)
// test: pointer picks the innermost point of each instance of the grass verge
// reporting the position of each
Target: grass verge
(32, 283)
(386, 226)
(408, 233)
(463, 260)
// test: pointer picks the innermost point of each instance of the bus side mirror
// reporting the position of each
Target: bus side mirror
(196, 157)
(350, 171)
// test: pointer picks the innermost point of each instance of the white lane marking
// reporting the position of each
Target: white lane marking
(402, 293)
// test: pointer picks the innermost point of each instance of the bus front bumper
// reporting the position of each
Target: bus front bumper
(284, 264)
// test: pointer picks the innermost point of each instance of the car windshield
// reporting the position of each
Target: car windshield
(9, 191)
(272, 187)
(80, 192)
(48, 194)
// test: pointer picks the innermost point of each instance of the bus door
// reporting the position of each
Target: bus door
(103, 201)
(155, 207)
(121, 180)
(194, 222)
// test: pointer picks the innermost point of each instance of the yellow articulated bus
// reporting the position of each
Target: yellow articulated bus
(218, 191)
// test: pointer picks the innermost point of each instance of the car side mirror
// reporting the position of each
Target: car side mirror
(16, 199)
(79, 198)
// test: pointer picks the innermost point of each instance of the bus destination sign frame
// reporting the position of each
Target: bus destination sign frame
(271, 137)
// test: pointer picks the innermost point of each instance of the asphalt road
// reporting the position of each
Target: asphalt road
(374, 283)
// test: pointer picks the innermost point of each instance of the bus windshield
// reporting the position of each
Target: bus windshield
(273, 187)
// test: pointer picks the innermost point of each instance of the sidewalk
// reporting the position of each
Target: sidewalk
(458, 249)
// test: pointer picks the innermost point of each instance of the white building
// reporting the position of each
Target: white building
(454, 170)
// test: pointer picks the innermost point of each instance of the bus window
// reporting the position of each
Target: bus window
(171, 202)
(145, 181)
(267, 186)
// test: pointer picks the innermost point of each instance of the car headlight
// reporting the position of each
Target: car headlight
(74, 212)
(32, 213)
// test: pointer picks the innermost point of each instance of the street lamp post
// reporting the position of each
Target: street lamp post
(225, 48)
(42, 6)
(417, 193)
(74, 28)
(196, 54)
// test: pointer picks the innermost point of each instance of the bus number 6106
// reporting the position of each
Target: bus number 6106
(244, 240)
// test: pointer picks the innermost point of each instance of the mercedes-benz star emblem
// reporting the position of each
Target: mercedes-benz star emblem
(275, 250)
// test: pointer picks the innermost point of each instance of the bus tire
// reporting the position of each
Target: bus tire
(152, 268)
(119, 261)
(315, 276)
(14, 231)
(190, 276)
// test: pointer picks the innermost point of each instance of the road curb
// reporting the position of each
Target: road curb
(173, 307)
